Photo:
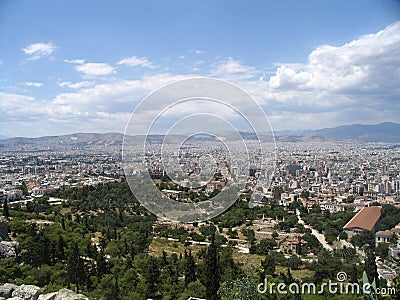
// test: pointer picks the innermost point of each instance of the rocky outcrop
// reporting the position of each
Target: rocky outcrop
(27, 292)
(66, 294)
(7, 289)
(10, 291)
(9, 249)
(50, 296)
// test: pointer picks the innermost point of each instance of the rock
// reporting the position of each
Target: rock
(15, 298)
(3, 228)
(9, 249)
(65, 294)
(7, 289)
(27, 292)
(50, 296)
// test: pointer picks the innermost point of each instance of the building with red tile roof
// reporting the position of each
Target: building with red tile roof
(366, 219)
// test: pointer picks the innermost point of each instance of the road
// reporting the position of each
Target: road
(320, 237)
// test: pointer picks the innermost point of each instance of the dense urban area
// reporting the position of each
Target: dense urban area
(71, 225)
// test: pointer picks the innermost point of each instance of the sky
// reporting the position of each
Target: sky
(83, 66)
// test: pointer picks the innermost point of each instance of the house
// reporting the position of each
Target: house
(176, 195)
(214, 185)
(384, 236)
(366, 219)
(293, 244)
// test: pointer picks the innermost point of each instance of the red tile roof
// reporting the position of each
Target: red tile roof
(365, 219)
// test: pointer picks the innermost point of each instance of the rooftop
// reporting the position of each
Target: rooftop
(366, 218)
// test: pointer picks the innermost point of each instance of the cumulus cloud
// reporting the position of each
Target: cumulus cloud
(33, 84)
(232, 69)
(359, 79)
(39, 50)
(357, 82)
(363, 64)
(134, 61)
(76, 85)
(95, 69)
(90, 68)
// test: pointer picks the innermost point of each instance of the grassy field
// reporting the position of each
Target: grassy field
(160, 244)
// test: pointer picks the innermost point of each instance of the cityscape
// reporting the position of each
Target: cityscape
(355, 180)
(199, 150)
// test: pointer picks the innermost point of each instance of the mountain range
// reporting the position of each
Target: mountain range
(383, 132)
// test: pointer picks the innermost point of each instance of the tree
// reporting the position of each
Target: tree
(151, 274)
(241, 288)
(24, 189)
(343, 235)
(265, 246)
(211, 271)
(382, 250)
(294, 262)
(6, 212)
(101, 264)
(268, 265)
(228, 268)
(190, 268)
(365, 238)
(370, 267)
(60, 248)
(75, 268)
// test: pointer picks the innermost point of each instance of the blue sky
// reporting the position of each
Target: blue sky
(83, 66)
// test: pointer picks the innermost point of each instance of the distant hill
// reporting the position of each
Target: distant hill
(383, 132)
(78, 139)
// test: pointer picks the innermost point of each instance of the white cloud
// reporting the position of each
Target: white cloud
(197, 51)
(363, 64)
(90, 68)
(231, 69)
(33, 84)
(74, 61)
(354, 82)
(76, 85)
(39, 50)
(134, 61)
(95, 69)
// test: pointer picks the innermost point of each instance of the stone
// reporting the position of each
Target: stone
(50, 296)
(15, 298)
(9, 249)
(27, 292)
(7, 289)
(66, 294)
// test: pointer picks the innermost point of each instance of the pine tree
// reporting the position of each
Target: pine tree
(6, 212)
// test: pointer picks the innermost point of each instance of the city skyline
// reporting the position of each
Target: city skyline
(84, 67)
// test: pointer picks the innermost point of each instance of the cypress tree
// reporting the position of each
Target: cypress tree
(190, 268)
(211, 270)
(6, 212)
